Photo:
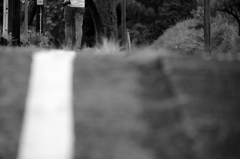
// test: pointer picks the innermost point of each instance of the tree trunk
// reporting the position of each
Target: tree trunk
(96, 19)
(32, 9)
(108, 15)
(14, 21)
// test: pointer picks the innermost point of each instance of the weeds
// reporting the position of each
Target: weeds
(36, 39)
(108, 47)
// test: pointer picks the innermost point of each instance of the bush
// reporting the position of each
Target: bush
(182, 37)
(237, 46)
(223, 36)
(188, 36)
(36, 40)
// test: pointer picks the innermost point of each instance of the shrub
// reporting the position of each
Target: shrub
(223, 36)
(182, 37)
(237, 46)
(35, 39)
(188, 36)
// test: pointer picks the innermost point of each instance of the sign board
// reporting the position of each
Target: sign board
(40, 2)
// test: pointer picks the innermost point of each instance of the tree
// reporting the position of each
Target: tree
(108, 16)
(14, 20)
(231, 7)
(147, 20)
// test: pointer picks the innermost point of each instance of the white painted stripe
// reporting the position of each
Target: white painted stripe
(48, 128)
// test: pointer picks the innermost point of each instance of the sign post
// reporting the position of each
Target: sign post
(40, 6)
(5, 19)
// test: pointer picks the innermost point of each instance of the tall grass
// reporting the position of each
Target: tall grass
(108, 47)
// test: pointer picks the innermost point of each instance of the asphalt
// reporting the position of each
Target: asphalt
(165, 107)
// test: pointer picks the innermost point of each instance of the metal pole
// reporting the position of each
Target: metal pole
(124, 28)
(207, 27)
(129, 41)
(40, 19)
(26, 18)
(5, 19)
(40, 4)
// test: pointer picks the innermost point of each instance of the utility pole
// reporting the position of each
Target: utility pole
(207, 27)
(124, 27)
(26, 18)
(5, 19)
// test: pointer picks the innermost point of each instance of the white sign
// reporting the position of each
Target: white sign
(40, 2)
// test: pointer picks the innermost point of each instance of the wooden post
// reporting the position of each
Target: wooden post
(207, 27)
(5, 19)
(26, 19)
(124, 27)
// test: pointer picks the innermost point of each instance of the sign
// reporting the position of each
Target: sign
(40, 2)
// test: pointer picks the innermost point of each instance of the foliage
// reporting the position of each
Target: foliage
(223, 36)
(147, 20)
(188, 36)
(182, 37)
(35, 39)
(229, 7)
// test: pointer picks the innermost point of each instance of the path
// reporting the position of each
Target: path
(48, 122)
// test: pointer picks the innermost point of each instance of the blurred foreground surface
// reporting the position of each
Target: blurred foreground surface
(136, 106)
